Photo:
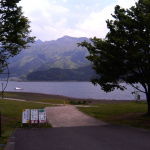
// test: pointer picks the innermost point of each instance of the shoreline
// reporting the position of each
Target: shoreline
(38, 96)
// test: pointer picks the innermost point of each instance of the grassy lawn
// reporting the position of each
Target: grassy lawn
(131, 114)
(11, 116)
(36, 97)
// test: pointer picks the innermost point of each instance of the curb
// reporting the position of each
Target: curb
(11, 142)
(10, 146)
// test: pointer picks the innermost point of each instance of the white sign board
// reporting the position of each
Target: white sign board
(42, 116)
(34, 115)
(26, 116)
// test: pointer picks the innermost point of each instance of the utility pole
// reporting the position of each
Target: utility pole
(2, 91)
(0, 111)
(0, 125)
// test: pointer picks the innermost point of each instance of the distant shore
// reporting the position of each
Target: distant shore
(38, 96)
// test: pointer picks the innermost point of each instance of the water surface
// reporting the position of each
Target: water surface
(73, 89)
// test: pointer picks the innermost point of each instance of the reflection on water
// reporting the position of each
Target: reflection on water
(73, 89)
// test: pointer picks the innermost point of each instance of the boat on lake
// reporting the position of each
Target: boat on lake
(18, 88)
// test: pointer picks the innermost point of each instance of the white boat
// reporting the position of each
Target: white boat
(17, 88)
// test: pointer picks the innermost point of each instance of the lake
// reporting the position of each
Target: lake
(72, 89)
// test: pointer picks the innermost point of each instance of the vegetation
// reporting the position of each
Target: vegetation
(125, 52)
(36, 97)
(57, 74)
(130, 114)
(14, 30)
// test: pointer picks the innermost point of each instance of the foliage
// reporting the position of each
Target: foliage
(14, 30)
(125, 52)
(57, 74)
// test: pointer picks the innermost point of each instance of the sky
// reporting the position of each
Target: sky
(53, 19)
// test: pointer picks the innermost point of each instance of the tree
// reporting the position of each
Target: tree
(125, 52)
(14, 30)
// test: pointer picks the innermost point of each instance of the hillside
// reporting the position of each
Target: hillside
(57, 74)
(61, 53)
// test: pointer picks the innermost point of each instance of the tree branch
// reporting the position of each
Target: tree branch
(137, 88)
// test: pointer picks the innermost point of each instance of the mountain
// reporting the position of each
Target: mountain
(57, 74)
(61, 53)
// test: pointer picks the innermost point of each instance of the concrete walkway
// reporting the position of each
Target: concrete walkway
(69, 116)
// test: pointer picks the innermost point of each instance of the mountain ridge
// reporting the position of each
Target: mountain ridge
(61, 53)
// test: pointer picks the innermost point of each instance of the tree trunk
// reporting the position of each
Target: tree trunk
(148, 100)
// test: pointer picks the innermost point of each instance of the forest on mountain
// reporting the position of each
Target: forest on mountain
(58, 74)
(61, 56)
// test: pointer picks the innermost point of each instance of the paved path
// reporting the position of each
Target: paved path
(105, 137)
(70, 116)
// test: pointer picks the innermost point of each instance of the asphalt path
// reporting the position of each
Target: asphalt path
(104, 137)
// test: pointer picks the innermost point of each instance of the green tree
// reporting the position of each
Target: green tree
(125, 51)
(14, 30)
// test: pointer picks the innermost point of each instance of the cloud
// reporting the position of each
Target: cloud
(52, 19)
(82, 6)
(46, 17)
(125, 4)
(95, 23)
(64, 1)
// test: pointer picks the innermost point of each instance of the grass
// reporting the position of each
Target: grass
(35, 97)
(11, 116)
(131, 114)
